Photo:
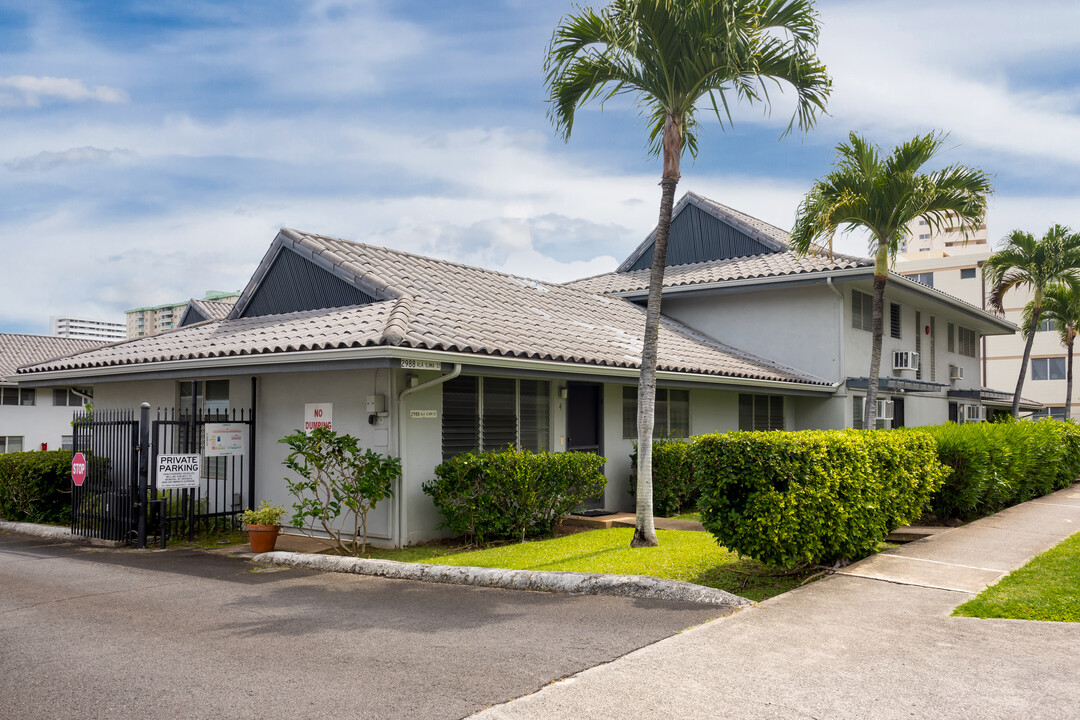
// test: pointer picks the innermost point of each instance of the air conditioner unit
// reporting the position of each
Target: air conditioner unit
(956, 372)
(884, 409)
(974, 413)
(905, 360)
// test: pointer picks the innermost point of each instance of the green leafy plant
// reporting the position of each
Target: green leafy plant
(35, 486)
(786, 498)
(673, 486)
(512, 494)
(339, 478)
(266, 514)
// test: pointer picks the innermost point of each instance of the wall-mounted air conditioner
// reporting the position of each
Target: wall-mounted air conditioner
(905, 360)
(956, 372)
(885, 409)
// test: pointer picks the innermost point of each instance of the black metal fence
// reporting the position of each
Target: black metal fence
(104, 505)
(120, 499)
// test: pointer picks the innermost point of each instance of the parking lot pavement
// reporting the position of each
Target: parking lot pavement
(100, 633)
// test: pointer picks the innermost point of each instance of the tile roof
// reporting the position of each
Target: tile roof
(17, 350)
(212, 309)
(439, 305)
(754, 266)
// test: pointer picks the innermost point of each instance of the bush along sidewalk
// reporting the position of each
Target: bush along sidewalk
(788, 498)
(36, 486)
(996, 465)
(514, 494)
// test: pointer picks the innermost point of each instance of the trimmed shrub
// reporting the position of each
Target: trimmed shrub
(812, 496)
(674, 489)
(513, 494)
(35, 486)
(996, 465)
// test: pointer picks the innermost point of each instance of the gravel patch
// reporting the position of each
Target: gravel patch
(636, 586)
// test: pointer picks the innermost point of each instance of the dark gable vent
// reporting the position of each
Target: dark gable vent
(697, 236)
(191, 316)
(294, 283)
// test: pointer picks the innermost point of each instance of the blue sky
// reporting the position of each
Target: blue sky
(151, 149)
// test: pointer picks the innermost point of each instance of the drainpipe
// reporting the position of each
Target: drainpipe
(840, 334)
(402, 530)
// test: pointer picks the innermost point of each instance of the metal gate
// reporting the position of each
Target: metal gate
(119, 499)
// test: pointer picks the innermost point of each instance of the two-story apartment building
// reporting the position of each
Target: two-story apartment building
(423, 358)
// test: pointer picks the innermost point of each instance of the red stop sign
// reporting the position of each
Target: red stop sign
(78, 469)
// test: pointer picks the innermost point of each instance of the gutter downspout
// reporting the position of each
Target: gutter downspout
(402, 530)
(840, 334)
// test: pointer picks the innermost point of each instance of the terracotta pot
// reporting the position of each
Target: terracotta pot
(263, 537)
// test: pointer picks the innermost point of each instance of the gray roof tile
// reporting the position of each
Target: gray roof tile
(17, 350)
(442, 305)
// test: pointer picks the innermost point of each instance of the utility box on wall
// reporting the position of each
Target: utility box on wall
(376, 403)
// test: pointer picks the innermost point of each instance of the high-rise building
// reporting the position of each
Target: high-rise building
(87, 328)
(153, 320)
(944, 260)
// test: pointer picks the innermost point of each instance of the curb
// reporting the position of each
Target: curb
(51, 532)
(635, 586)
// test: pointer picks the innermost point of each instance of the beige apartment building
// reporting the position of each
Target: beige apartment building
(145, 321)
(945, 261)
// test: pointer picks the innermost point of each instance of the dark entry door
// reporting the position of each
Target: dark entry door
(584, 425)
(898, 412)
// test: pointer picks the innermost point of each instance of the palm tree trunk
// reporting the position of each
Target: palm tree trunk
(1069, 374)
(1027, 358)
(881, 276)
(644, 529)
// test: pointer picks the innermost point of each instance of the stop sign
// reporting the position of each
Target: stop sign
(78, 469)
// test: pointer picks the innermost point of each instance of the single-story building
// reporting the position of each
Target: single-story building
(423, 358)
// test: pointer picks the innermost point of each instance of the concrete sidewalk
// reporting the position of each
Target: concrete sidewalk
(876, 641)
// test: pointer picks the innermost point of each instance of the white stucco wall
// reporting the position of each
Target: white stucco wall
(38, 423)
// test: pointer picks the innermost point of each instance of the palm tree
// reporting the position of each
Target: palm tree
(1035, 265)
(671, 55)
(882, 195)
(1061, 304)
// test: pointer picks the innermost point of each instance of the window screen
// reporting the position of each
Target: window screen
(761, 412)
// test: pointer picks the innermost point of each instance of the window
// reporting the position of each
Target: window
(857, 402)
(924, 236)
(66, 398)
(895, 318)
(967, 273)
(1057, 413)
(1048, 368)
(11, 443)
(862, 311)
(211, 397)
(924, 278)
(489, 414)
(918, 344)
(671, 417)
(17, 396)
(67, 442)
(761, 412)
(922, 222)
(968, 342)
(1046, 326)
(951, 340)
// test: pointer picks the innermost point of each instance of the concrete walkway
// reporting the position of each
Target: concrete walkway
(876, 641)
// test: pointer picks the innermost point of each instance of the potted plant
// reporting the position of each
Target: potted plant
(263, 525)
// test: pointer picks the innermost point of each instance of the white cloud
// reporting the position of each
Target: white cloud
(85, 155)
(31, 91)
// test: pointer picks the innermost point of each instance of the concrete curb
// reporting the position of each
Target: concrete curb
(45, 531)
(636, 586)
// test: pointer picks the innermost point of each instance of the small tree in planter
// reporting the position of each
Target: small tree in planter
(338, 477)
(263, 526)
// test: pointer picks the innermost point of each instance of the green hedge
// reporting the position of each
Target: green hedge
(35, 486)
(513, 494)
(674, 489)
(996, 465)
(786, 498)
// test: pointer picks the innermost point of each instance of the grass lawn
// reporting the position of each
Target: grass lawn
(691, 556)
(1047, 588)
(693, 516)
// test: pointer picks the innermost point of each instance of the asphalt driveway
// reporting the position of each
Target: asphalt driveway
(92, 633)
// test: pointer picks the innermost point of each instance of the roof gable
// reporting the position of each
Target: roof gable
(293, 283)
(704, 231)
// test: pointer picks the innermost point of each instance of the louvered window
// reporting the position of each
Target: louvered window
(895, 321)
(969, 340)
(671, 415)
(495, 413)
(761, 412)
(862, 311)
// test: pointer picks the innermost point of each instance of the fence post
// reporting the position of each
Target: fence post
(144, 471)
